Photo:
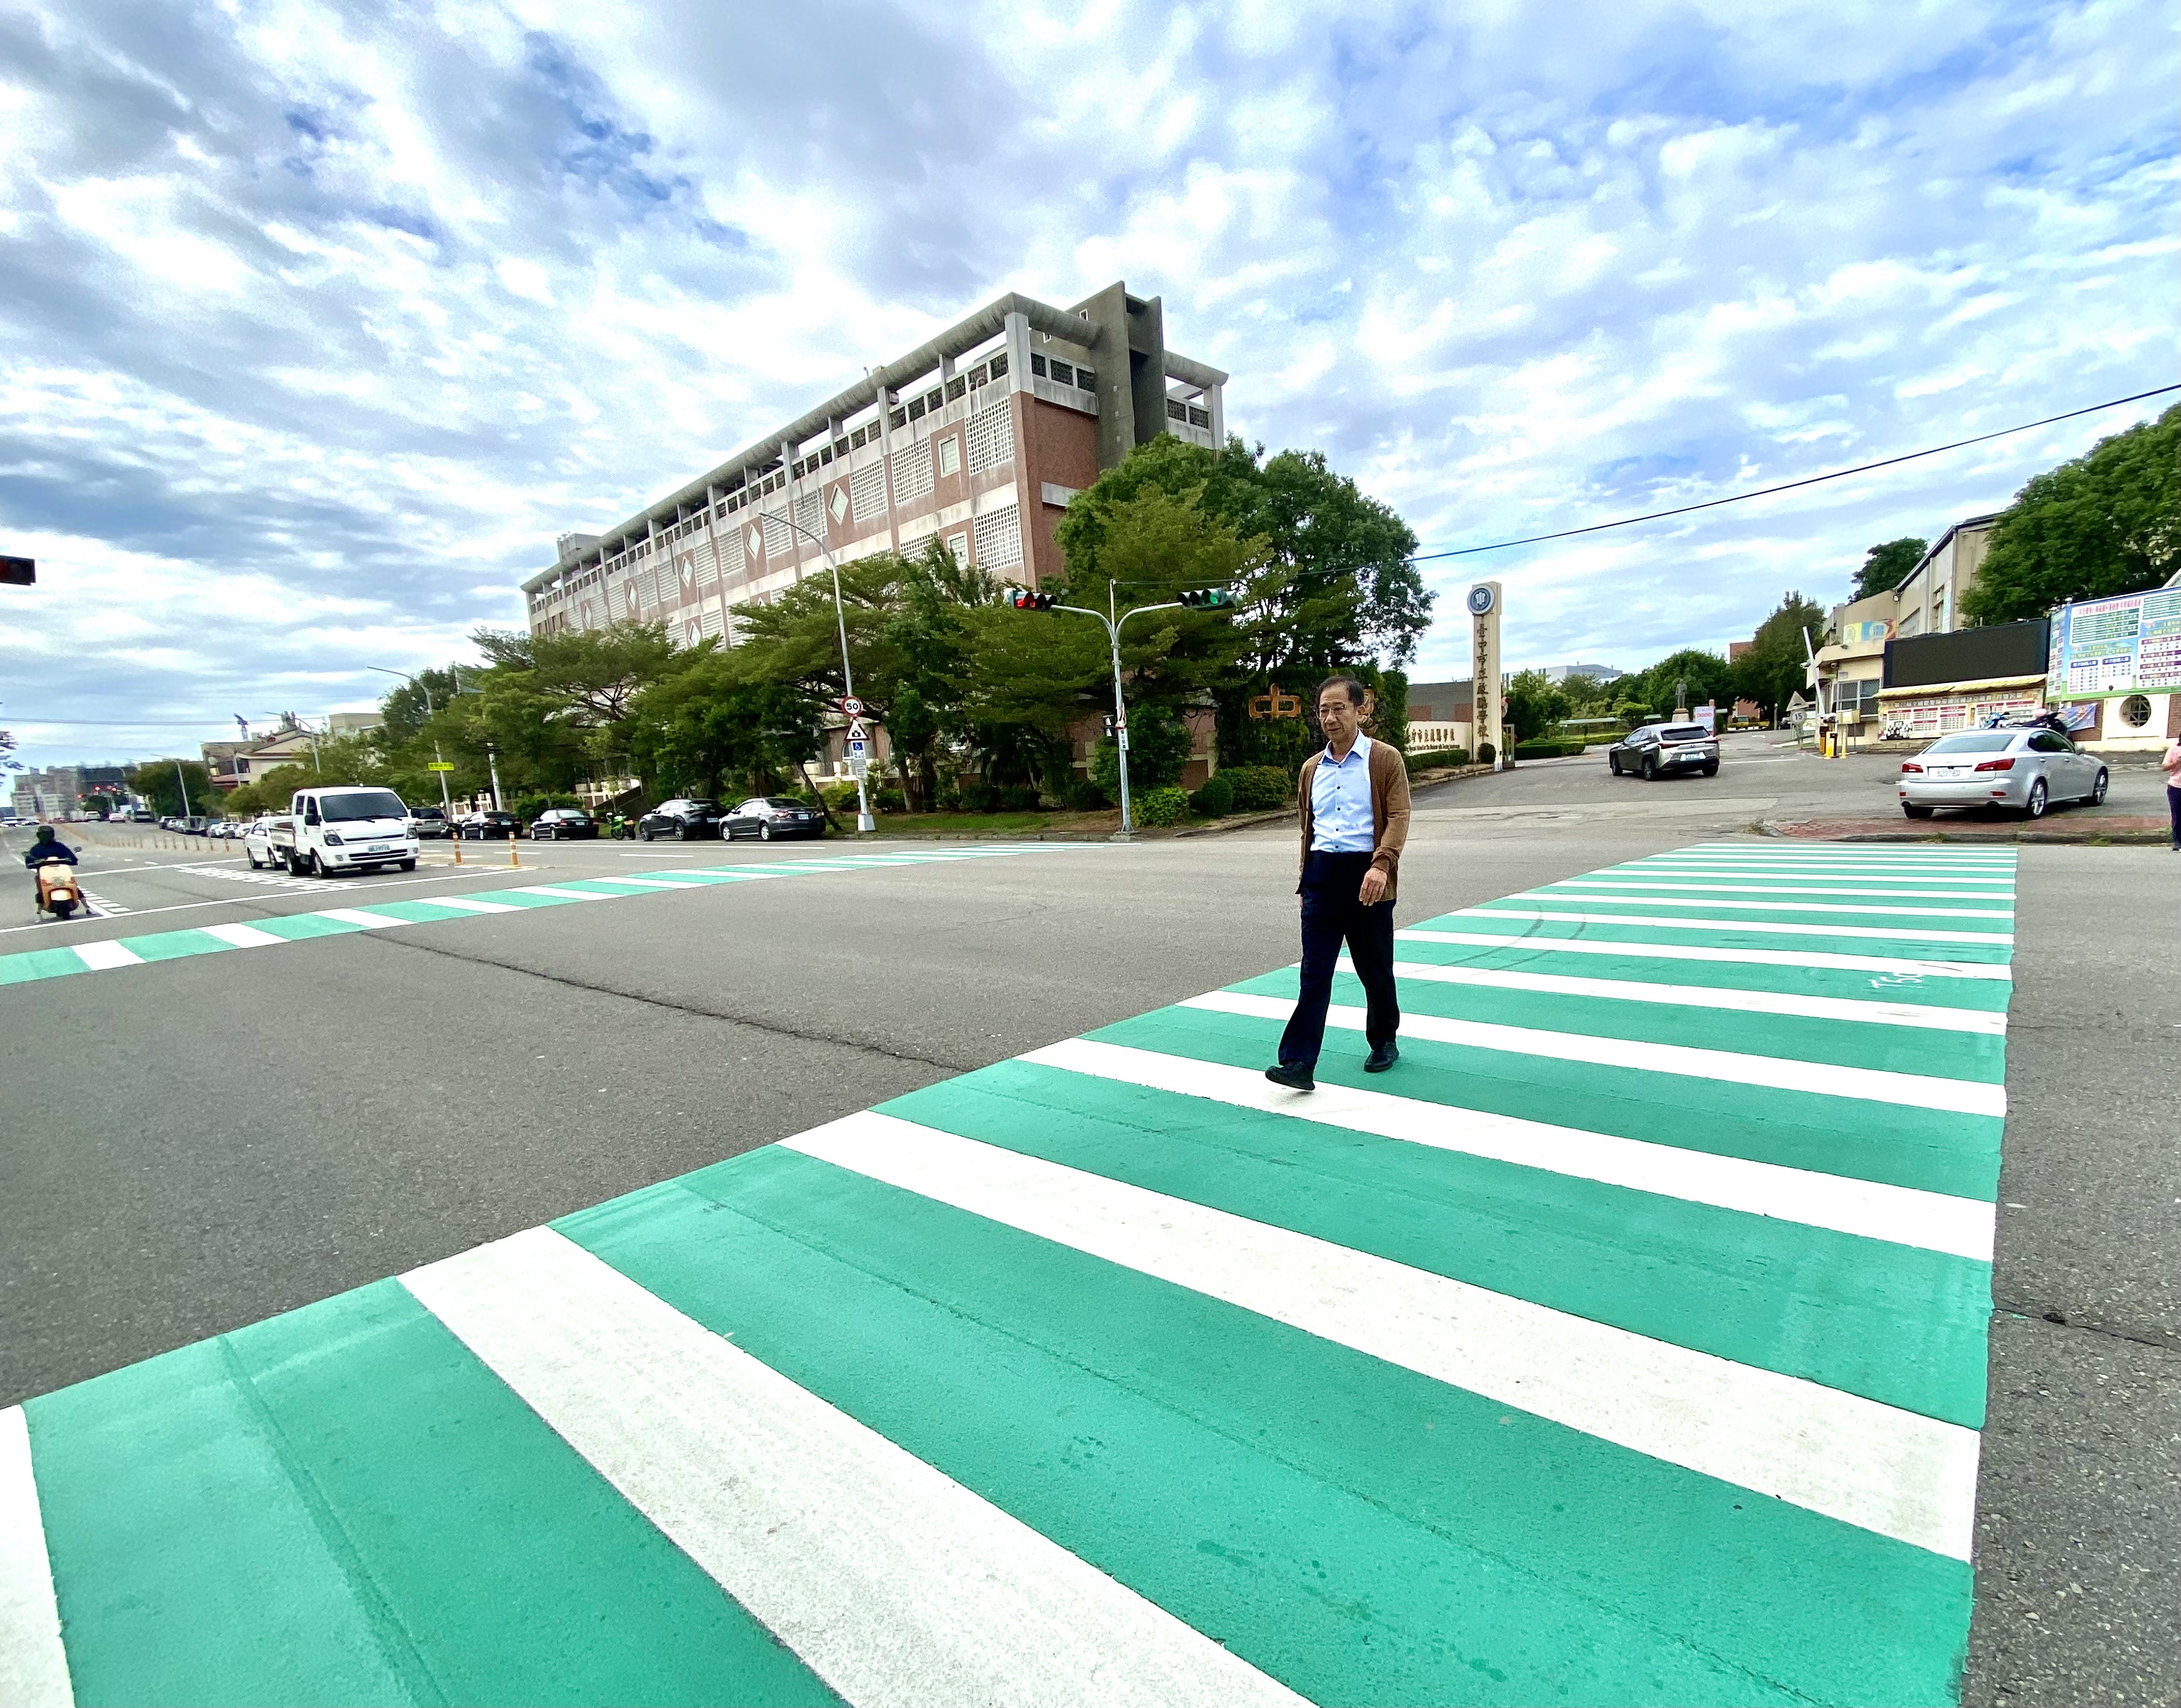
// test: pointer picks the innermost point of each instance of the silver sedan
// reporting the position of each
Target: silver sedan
(2025, 770)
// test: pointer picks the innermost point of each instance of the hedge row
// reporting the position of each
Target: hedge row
(1547, 749)
(1435, 759)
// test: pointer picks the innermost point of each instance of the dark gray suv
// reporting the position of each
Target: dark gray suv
(1657, 749)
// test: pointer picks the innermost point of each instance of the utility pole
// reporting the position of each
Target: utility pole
(864, 822)
(492, 760)
(438, 759)
(183, 783)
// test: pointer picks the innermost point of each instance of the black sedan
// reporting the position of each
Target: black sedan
(487, 826)
(684, 818)
(771, 817)
(563, 824)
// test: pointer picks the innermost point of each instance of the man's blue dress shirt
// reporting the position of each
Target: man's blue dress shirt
(1341, 819)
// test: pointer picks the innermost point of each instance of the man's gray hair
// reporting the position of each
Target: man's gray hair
(1340, 678)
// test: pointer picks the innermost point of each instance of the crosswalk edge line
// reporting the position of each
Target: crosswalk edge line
(34, 1666)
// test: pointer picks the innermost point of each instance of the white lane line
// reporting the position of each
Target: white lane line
(1865, 1463)
(470, 905)
(1899, 1215)
(357, 917)
(1913, 934)
(99, 907)
(893, 1583)
(99, 957)
(1898, 966)
(315, 887)
(563, 895)
(1952, 874)
(1773, 850)
(1735, 887)
(1729, 1067)
(1709, 997)
(1601, 898)
(34, 1669)
(241, 937)
(656, 883)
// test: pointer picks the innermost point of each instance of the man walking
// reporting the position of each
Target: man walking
(1353, 799)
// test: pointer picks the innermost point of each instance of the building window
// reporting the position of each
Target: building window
(959, 544)
(916, 409)
(912, 474)
(999, 538)
(1199, 417)
(840, 447)
(956, 387)
(1037, 364)
(826, 455)
(855, 439)
(991, 437)
(950, 454)
(867, 492)
(1176, 409)
(978, 376)
(898, 418)
(1000, 365)
(2135, 711)
(1063, 374)
(1085, 379)
(932, 400)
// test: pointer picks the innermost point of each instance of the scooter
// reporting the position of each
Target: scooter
(58, 893)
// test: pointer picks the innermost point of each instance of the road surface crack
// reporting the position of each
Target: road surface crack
(2162, 1339)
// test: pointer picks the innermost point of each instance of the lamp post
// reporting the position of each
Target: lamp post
(446, 798)
(864, 822)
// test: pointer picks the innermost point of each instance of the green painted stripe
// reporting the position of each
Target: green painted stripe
(1846, 917)
(39, 963)
(1897, 1325)
(342, 1504)
(1550, 954)
(300, 927)
(1360, 1531)
(1825, 935)
(1841, 1043)
(1929, 1149)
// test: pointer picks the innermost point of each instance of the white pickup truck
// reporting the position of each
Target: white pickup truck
(328, 831)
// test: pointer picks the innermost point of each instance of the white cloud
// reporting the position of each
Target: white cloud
(317, 323)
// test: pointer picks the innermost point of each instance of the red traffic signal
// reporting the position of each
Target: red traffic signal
(1024, 599)
(18, 572)
(1216, 598)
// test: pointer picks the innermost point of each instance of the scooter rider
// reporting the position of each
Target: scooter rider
(44, 850)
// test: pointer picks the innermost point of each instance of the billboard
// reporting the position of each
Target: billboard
(1967, 655)
(2102, 648)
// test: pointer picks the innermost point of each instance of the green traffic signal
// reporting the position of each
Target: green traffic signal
(1201, 598)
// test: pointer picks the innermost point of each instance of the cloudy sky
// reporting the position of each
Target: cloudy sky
(318, 321)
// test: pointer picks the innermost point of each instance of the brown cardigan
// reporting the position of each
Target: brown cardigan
(1389, 810)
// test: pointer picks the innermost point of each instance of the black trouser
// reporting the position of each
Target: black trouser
(2173, 810)
(1332, 914)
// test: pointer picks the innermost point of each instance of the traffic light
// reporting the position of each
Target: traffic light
(1213, 598)
(1024, 599)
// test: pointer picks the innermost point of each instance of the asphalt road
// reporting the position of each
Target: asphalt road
(197, 1144)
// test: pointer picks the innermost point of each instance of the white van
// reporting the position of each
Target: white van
(354, 829)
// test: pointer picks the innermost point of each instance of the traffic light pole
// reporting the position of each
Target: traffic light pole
(1114, 620)
(864, 822)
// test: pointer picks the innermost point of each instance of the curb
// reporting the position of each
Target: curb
(2115, 831)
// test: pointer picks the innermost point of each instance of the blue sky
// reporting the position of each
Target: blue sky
(318, 321)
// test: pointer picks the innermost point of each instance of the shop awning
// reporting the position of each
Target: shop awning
(1933, 690)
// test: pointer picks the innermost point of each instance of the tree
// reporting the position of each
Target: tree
(709, 722)
(1159, 749)
(157, 782)
(1705, 674)
(1533, 704)
(1347, 590)
(1775, 666)
(1885, 567)
(2105, 523)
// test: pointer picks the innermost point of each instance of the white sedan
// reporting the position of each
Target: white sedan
(2026, 769)
(257, 841)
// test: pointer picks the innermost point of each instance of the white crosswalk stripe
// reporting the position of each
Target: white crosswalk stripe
(1895, 966)
(1909, 934)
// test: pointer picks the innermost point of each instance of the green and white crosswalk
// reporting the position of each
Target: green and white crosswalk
(111, 955)
(1624, 1344)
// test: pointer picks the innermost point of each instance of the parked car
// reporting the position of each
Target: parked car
(257, 845)
(2027, 769)
(327, 831)
(1656, 749)
(487, 826)
(770, 817)
(684, 818)
(562, 824)
(428, 821)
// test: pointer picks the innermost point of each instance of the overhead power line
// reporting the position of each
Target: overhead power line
(1789, 486)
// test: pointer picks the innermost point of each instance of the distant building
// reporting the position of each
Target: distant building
(1850, 671)
(1595, 672)
(354, 723)
(978, 437)
(54, 793)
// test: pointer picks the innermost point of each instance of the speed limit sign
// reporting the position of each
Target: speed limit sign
(852, 707)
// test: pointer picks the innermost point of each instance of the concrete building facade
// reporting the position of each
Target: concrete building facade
(977, 438)
(1851, 665)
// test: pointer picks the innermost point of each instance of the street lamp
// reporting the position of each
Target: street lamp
(439, 761)
(864, 822)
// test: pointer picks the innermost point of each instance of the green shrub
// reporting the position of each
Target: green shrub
(1436, 759)
(1162, 806)
(1018, 798)
(1216, 799)
(1259, 787)
(888, 800)
(1547, 749)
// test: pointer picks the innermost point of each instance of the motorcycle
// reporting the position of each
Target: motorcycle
(58, 893)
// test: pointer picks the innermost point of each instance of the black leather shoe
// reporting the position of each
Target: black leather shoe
(1295, 1079)
(1381, 1057)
